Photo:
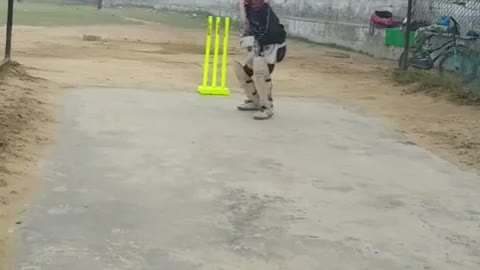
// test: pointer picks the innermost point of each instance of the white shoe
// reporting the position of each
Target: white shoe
(248, 105)
(263, 114)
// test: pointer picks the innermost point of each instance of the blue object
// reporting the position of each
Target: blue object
(445, 22)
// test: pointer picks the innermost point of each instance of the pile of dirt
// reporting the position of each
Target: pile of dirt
(26, 117)
(19, 108)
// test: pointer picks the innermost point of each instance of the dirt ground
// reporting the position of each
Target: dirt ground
(159, 57)
(27, 107)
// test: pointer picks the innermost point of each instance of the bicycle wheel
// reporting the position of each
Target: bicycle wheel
(473, 84)
(462, 63)
(401, 60)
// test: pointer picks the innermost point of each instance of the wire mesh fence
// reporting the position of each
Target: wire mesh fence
(465, 12)
(447, 37)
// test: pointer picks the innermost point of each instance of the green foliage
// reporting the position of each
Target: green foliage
(436, 84)
(54, 14)
(71, 13)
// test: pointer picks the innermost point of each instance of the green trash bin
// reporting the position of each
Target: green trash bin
(396, 38)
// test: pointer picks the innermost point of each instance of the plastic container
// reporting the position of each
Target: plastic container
(396, 37)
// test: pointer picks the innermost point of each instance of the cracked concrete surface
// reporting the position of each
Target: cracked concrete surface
(171, 180)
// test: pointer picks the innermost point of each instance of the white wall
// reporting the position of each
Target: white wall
(340, 22)
(353, 11)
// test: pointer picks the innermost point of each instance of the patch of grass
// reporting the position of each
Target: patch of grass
(425, 79)
(170, 18)
(192, 19)
(55, 14)
(435, 84)
(71, 13)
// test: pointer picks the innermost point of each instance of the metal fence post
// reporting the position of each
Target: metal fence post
(8, 43)
(407, 34)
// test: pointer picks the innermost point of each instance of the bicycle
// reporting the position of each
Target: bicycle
(452, 56)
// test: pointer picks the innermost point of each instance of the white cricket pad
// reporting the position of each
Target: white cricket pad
(242, 76)
(246, 82)
(247, 42)
(263, 82)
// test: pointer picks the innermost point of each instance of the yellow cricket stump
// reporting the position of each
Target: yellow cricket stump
(213, 88)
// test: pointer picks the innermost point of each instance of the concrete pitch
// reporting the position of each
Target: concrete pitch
(169, 180)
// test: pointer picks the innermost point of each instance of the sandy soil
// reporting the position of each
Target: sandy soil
(154, 56)
(26, 123)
